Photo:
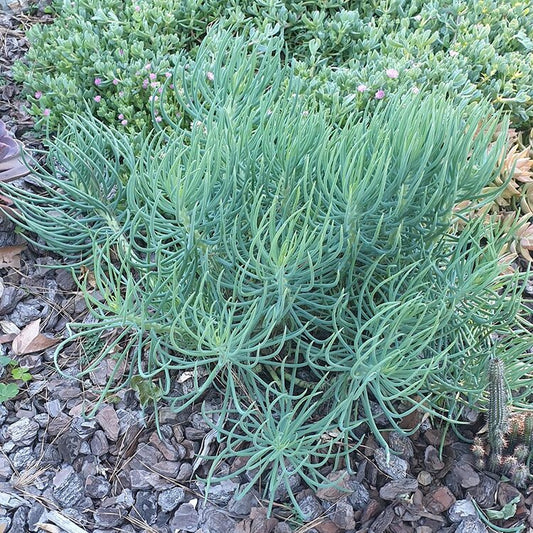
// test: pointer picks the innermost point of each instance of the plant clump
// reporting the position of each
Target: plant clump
(304, 269)
(113, 56)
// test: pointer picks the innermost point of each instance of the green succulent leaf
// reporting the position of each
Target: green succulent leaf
(8, 391)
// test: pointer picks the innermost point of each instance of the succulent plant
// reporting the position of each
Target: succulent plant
(11, 165)
(498, 411)
(509, 433)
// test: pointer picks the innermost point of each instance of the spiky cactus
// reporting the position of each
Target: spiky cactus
(510, 435)
(498, 410)
(521, 476)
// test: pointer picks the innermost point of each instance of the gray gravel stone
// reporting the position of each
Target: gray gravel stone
(213, 520)
(221, 493)
(97, 487)
(108, 517)
(462, 509)
(18, 522)
(36, 515)
(68, 487)
(26, 313)
(396, 467)
(143, 479)
(53, 407)
(99, 444)
(3, 415)
(295, 481)
(391, 490)
(471, 525)
(185, 518)
(145, 506)
(467, 476)
(5, 522)
(22, 458)
(9, 299)
(51, 456)
(169, 499)
(69, 446)
(185, 472)
(82, 427)
(401, 444)
(343, 515)
(64, 280)
(242, 506)
(148, 455)
(23, 432)
(168, 469)
(5, 468)
(310, 505)
(283, 527)
(194, 434)
(360, 497)
(108, 420)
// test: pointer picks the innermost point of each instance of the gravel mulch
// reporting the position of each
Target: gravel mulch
(63, 472)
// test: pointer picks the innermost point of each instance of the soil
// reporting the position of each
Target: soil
(61, 471)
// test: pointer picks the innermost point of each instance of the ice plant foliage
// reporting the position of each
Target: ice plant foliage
(306, 271)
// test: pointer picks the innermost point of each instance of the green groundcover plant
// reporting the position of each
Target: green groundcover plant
(114, 55)
(306, 271)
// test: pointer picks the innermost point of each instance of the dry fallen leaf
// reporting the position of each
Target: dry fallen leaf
(48, 527)
(9, 328)
(7, 338)
(29, 340)
(10, 256)
(87, 276)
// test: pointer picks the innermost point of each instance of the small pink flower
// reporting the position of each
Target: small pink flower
(97, 98)
(97, 81)
(121, 52)
(46, 112)
(362, 88)
(145, 84)
(392, 73)
(154, 84)
(415, 90)
(121, 93)
(38, 94)
(171, 86)
(152, 76)
(453, 53)
(168, 74)
(124, 122)
(121, 116)
(160, 90)
(148, 66)
(210, 76)
(137, 8)
(115, 81)
(158, 119)
(379, 94)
